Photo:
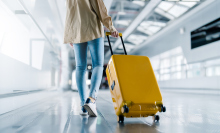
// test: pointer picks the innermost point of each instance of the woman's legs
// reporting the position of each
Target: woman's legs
(80, 51)
(96, 48)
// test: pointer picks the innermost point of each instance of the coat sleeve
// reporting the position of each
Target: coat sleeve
(101, 11)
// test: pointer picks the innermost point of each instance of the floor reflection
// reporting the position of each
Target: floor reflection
(61, 115)
(88, 124)
(136, 128)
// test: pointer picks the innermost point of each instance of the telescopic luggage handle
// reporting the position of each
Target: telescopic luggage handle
(120, 34)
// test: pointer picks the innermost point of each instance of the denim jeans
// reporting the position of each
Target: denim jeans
(96, 48)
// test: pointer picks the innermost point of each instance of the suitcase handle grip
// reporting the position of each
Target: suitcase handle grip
(120, 34)
(109, 34)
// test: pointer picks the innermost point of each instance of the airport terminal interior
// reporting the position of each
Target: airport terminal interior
(181, 39)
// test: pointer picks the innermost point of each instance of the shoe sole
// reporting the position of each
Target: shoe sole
(84, 114)
(91, 113)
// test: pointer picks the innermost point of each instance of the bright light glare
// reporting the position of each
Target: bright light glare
(1, 35)
(37, 54)
(15, 43)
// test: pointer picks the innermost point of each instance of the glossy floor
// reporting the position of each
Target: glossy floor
(186, 113)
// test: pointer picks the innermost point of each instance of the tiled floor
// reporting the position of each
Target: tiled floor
(186, 113)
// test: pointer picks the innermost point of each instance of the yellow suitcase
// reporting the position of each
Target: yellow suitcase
(133, 86)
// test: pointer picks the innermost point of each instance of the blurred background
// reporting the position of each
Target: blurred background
(180, 37)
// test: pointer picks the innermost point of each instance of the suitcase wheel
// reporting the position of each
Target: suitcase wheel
(156, 118)
(125, 109)
(120, 119)
(163, 109)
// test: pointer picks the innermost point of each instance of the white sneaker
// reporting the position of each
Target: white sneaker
(90, 107)
(83, 112)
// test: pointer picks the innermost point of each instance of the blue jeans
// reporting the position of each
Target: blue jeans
(96, 48)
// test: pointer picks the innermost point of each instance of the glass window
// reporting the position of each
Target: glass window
(163, 13)
(165, 5)
(14, 37)
(136, 39)
(176, 75)
(213, 71)
(163, 71)
(17, 31)
(212, 62)
(188, 4)
(177, 10)
(154, 29)
(165, 63)
(144, 30)
(165, 77)
(155, 62)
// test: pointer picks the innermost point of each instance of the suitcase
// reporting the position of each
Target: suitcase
(133, 86)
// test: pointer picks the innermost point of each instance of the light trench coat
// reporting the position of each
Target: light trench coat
(84, 21)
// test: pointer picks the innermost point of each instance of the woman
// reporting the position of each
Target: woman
(84, 30)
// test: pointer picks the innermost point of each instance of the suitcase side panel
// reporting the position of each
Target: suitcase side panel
(114, 88)
(137, 80)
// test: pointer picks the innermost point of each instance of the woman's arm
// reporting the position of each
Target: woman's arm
(101, 11)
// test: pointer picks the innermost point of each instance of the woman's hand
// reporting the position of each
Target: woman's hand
(71, 45)
(114, 33)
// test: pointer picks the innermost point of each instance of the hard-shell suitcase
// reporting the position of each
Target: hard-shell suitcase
(133, 86)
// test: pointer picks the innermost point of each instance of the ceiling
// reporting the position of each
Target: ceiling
(136, 19)
(125, 12)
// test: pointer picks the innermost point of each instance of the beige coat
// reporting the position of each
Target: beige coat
(84, 20)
